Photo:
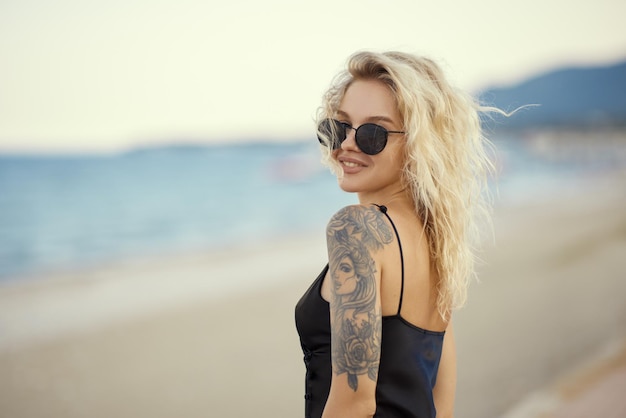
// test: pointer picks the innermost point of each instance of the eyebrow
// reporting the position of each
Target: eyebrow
(370, 118)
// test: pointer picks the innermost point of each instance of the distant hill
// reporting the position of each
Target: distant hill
(569, 97)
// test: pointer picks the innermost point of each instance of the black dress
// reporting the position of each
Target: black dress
(409, 357)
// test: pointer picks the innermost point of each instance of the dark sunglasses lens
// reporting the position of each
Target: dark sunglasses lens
(371, 138)
(334, 131)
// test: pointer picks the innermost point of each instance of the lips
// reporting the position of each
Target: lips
(351, 165)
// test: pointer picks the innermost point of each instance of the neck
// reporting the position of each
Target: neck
(393, 199)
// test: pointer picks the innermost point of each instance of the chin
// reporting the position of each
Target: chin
(350, 186)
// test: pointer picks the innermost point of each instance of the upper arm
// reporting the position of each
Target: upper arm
(445, 388)
(354, 235)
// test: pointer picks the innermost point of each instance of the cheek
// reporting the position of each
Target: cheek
(395, 160)
(349, 285)
(390, 164)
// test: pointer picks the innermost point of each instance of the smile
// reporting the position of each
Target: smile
(348, 162)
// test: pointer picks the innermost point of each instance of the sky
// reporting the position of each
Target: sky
(100, 76)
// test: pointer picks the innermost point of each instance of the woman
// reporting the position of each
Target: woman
(375, 326)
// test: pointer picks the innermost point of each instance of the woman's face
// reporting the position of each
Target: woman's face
(344, 277)
(370, 101)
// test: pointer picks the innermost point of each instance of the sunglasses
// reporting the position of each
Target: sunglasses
(370, 138)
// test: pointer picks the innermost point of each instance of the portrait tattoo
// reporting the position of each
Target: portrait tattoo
(353, 234)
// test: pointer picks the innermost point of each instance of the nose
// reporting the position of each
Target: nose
(349, 144)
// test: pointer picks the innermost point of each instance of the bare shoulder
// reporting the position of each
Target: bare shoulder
(363, 223)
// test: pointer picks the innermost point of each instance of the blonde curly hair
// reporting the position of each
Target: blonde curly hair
(447, 159)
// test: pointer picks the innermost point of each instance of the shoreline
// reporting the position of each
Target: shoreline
(49, 306)
(41, 306)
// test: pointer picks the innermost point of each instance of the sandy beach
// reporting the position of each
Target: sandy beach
(214, 335)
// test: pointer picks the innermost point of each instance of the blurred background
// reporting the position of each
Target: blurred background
(162, 203)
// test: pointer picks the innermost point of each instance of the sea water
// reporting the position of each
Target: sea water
(72, 211)
(67, 211)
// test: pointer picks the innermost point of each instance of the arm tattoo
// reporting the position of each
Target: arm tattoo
(353, 234)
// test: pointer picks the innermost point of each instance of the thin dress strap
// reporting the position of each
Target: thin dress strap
(383, 209)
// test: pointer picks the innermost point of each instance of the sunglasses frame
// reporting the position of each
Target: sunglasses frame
(331, 128)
